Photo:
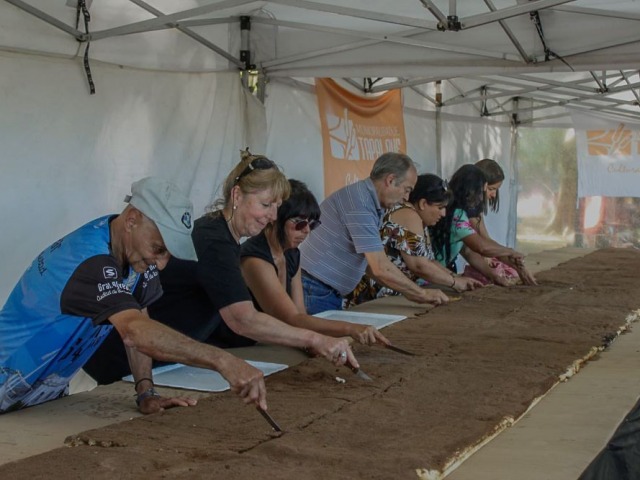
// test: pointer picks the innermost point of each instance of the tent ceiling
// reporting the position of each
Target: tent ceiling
(545, 53)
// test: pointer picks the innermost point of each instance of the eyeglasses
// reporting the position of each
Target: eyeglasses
(302, 222)
(259, 163)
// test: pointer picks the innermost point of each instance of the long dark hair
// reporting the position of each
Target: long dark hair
(301, 203)
(493, 174)
(467, 186)
(431, 188)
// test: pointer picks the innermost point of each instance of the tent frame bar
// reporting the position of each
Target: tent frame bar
(597, 12)
(358, 13)
(453, 23)
(508, 12)
(509, 33)
(190, 33)
(146, 25)
(80, 36)
(380, 37)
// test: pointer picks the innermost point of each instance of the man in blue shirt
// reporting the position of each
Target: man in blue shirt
(336, 255)
(100, 276)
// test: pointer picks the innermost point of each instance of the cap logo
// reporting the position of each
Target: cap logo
(109, 273)
(186, 220)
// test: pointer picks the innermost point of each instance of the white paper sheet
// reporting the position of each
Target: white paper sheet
(378, 320)
(201, 379)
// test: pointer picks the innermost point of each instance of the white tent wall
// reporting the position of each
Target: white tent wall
(293, 139)
(68, 156)
(420, 130)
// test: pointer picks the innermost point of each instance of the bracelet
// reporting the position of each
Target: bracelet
(151, 392)
(142, 380)
(454, 281)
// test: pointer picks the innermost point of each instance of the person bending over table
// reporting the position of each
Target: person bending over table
(336, 255)
(207, 298)
(105, 275)
(271, 268)
(494, 175)
(405, 235)
(454, 234)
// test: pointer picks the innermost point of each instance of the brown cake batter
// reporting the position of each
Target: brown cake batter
(480, 361)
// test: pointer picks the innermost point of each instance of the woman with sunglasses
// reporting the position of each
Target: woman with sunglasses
(405, 234)
(271, 267)
(494, 176)
(209, 299)
(454, 234)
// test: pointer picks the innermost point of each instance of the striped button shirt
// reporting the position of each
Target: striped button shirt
(351, 220)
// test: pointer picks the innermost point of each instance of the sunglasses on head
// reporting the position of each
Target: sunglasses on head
(443, 185)
(302, 222)
(260, 163)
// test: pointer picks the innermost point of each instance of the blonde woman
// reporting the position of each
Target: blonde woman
(209, 299)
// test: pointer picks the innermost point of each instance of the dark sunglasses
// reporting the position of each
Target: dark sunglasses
(301, 223)
(260, 163)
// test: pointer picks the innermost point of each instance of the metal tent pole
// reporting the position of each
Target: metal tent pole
(512, 225)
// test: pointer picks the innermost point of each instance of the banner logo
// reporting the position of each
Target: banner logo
(610, 142)
(356, 131)
(343, 137)
(608, 151)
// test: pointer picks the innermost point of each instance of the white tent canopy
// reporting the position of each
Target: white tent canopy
(582, 53)
(169, 101)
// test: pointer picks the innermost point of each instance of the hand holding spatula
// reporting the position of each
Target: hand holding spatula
(269, 418)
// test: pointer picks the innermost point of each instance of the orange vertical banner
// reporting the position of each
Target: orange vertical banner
(356, 131)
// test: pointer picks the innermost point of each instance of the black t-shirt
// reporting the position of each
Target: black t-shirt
(193, 294)
(258, 247)
(195, 291)
(97, 289)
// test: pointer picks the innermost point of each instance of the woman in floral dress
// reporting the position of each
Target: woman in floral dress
(406, 239)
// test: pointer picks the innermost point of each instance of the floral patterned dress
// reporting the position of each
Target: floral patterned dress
(396, 240)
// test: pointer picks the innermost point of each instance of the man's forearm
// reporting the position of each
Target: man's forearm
(155, 340)
(140, 365)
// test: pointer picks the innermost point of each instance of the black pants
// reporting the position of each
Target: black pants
(110, 363)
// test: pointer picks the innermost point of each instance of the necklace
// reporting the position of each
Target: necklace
(231, 226)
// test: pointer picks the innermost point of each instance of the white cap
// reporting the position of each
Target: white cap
(170, 209)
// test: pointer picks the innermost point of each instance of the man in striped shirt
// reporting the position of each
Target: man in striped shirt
(347, 243)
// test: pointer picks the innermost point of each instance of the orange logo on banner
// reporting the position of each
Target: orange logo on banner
(356, 131)
(610, 142)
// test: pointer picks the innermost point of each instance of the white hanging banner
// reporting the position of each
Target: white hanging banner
(608, 151)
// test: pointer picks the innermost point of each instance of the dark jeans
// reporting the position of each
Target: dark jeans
(319, 297)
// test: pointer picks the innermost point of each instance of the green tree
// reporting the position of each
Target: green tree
(547, 163)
